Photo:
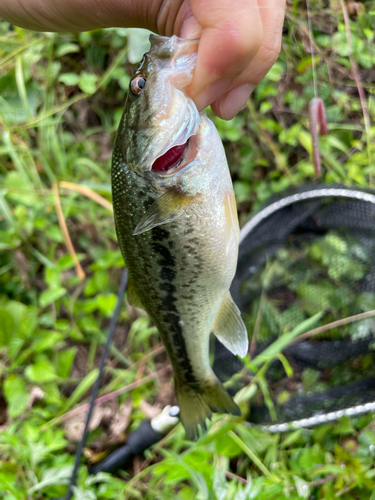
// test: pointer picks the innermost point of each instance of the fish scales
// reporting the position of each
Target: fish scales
(177, 227)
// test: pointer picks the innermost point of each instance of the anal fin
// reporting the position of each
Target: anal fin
(133, 298)
(167, 208)
(230, 329)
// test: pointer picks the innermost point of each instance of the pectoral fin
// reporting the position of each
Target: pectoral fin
(230, 329)
(133, 298)
(167, 208)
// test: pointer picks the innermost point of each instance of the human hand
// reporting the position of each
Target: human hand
(240, 41)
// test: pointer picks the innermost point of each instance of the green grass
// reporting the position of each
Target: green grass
(61, 98)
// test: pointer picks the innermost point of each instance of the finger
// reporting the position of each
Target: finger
(175, 19)
(227, 106)
(80, 15)
(231, 36)
(272, 13)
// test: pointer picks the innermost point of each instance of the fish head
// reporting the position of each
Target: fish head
(159, 117)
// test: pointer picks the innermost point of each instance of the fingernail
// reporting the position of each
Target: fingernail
(234, 101)
(210, 93)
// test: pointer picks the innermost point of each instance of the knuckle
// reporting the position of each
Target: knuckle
(248, 44)
(271, 48)
(242, 41)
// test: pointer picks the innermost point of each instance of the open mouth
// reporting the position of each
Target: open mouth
(171, 159)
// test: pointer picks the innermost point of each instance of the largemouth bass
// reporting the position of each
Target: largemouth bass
(177, 226)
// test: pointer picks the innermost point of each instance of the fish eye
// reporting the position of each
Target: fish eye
(137, 84)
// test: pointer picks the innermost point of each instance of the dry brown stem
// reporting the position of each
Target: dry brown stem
(68, 242)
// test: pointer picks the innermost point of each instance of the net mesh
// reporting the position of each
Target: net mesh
(308, 252)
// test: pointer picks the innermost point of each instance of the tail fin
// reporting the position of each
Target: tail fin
(199, 402)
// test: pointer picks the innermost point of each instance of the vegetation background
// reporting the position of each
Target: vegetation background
(61, 98)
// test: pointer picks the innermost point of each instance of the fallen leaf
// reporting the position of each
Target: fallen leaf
(354, 8)
(75, 425)
(149, 410)
(36, 394)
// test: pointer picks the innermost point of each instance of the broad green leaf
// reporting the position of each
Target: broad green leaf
(8, 485)
(8, 240)
(344, 426)
(87, 82)
(41, 371)
(227, 447)
(26, 328)
(17, 310)
(7, 327)
(276, 72)
(46, 339)
(67, 261)
(53, 277)
(14, 346)
(19, 189)
(69, 78)
(66, 48)
(83, 494)
(174, 472)
(305, 139)
(53, 476)
(65, 360)
(51, 295)
(306, 63)
(106, 303)
(138, 44)
(16, 395)
(229, 130)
